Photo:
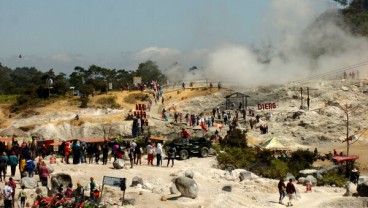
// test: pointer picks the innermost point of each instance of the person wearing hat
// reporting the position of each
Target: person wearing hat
(92, 186)
(354, 176)
(79, 193)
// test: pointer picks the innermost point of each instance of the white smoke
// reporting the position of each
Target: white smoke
(299, 49)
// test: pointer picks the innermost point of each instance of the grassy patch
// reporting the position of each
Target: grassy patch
(8, 99)
(109, 101)
(134, 98)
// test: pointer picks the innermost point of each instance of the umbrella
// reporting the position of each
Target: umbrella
(12, 131)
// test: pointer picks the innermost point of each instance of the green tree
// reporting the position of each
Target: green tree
(150, 71)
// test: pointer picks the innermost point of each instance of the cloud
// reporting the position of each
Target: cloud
(154, 53)
(62, 57)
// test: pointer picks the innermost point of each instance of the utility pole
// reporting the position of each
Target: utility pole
(301, 97)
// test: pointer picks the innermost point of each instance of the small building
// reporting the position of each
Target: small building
(236, 100)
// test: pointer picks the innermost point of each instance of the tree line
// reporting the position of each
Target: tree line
(32, 84)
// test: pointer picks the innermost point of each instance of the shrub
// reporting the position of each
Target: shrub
(134, 97)
(216, 147)
(238, 157)
(84, 102)
(300, 160)
(235, 138)
(332, 177)
(108, 101)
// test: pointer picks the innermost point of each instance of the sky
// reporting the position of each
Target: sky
(120, 34)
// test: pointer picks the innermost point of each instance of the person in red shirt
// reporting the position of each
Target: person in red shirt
(12, 184)
(185, 134)
(290, 190)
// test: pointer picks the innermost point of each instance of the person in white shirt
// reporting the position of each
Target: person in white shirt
(158, 151)
(7, 192)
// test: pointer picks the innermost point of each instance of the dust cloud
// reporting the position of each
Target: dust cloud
(308, 38)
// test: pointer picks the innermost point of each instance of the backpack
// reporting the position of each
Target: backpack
(30, 165)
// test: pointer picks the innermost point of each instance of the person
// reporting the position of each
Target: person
(12, 184)
(150, 152)
(61, 151)
(335, 152)
(131, 149)
(105, 153)
(171, 155)
(92, 186)
(30, 166)
(67, 151)
(290, 190)
(69, 191)
(22, 196)
(76, 117)
(22, 168)
(2, 164)
(115, 150)
(354, 176)
(96, 194)
(44, 174)
(60, 193)
(183, 85)
(281, 186)
(79, 193)
(5, 159)
(7, 193)
(158, 151)
(185, 134)
(13, 162)
(138, 154)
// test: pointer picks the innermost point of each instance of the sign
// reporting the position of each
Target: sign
(137, 80)
(113, 181)
(266, 106)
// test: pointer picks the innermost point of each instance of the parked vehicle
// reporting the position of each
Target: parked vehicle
(193, 146)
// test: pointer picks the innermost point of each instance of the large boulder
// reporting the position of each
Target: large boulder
(173, 189)
(118, 164)
(311, 179)
(189, 174)
(50, 168)
(363, 189)
(137, 180)
(289, 176)
(301, 180)
(351, 188)
(187, 187)
(60, 179)
(247, 175)
(29, 183)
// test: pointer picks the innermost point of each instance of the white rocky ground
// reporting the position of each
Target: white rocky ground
(256, 193)
(322, 126)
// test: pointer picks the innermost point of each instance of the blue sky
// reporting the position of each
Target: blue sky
(115, 33)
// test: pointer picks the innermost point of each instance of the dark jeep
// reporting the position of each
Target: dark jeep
(194, 146)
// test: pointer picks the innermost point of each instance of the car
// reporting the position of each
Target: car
(193, 146)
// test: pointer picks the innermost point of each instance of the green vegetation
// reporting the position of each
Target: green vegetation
(109, 101)
(8, 99)
(261, 162)
(133, 98)
(332, 177)
(33, 87)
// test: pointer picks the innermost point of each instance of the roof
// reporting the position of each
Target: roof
(236, 94)
(93, 140)
(341, 159)
(273, 143)
(157, 138)
(5, 139)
